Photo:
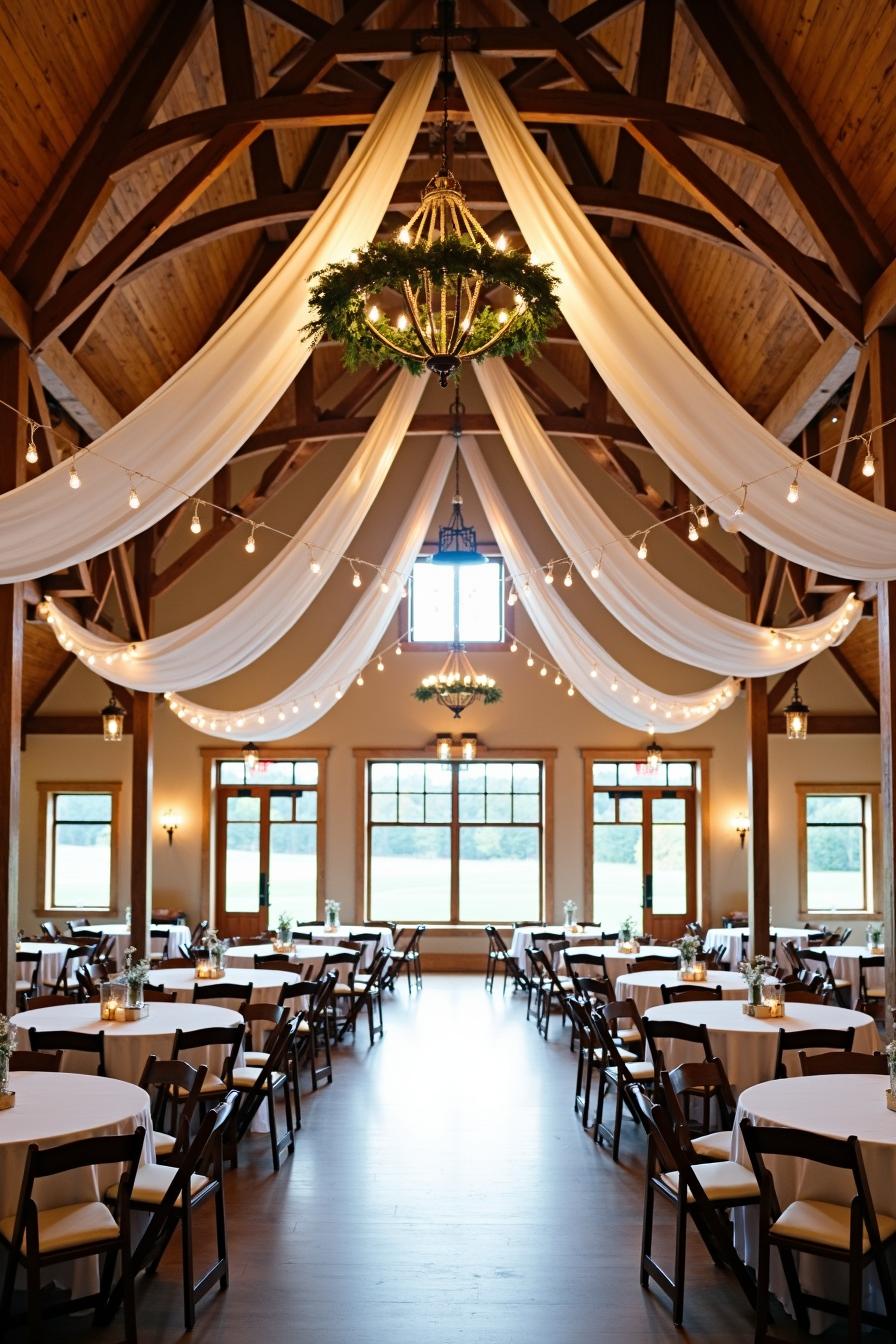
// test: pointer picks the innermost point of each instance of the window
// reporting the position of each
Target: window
(77, 845)
(456, 604)
(836, 841)
(456, 842)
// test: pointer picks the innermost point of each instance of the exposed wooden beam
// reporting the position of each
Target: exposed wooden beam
(820, 378)
(856, 678)
(68, 725)
(651, 81)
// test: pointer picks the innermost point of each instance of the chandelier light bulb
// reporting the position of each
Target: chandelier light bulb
(404, 235)
(74, 479)
(402, 323)
(133, 498)
(501, 243)
(250, 543)
(373, 313)
(868, 466)
(195, 524)
(793, 493)
(693, 534)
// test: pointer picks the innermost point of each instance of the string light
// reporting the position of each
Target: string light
(567, 578)
(314, 564)
(868, 466)
(530, 661)
(642, 549)
(514, 646)
(356, 577)
(512, 598)
(793, 493)
(703, 516)
(558, 680)
(549, 575)
(133, 497)
(397, 650)
(570, 690)
(74, 479)
(381, 666)
(31, 451)
(250, 543)
(359, 680)
(195, 524)
(384, 583)
(693, 534)
(742, 506)
(544, 671)
(595, 568)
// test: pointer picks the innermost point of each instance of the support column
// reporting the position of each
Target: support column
(142, 768)
(14, 390)
(882, 362)
(758, 868)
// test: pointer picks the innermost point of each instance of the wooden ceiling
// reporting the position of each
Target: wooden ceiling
(751, 193)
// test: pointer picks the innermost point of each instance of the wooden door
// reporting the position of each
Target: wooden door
(242, 862)
(644, 859)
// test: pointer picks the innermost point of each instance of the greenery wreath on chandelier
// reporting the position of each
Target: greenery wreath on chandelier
(419, 273)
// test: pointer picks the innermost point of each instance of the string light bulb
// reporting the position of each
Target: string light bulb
(642, 549)
(314, 564)
(512, 598)
(543, 672)
(530, 661)
(133, 497)
(868, 466)
(250, 543)
(595, 568)
(514, 646)
(702, 516)
(693, 534)
(549, 575)
(381, 666)
(74, 479)
(567, 578)
(356, 578)
(195, 524)
(793, 493)
(359, 680)
(31, 450)
(558, 680)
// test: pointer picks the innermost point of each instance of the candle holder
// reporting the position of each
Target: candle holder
(207, 970)
(113, 995)
(891, 1099)
(771, 1003)
(631, 946)
(284, 946)
(693, 973)
(8, 1100)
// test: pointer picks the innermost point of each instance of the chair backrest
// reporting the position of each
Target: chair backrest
(175, 964)
(231, 1038)
(198, 932)
(274, 961)
(158, 994)
(495, 942)
(220, 989)
(268, 1014)
(579, 965)
(89, 979)
(303, 989)
(302, 936)
(604, 1026)
(622, 1010)
(74, 924)
(37, 1001)
(367, 939)
(51, 929)
(347, 959)
(815, 1038)
(654, 963)
(161, 1078)
(868, 964)
(538, 939)
(706, 1076)
(842, 1061)
(800, 994)
(667, 1029)
(538, 963)
(86, 1043)
(32, 959)
(34, 1061)
(598, 989)
(580, 1012)
(689, 993)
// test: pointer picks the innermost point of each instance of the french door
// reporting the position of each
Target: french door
(266, 857)
(644, 852)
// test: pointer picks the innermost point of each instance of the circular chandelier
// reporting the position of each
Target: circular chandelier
(458, 685)
(444, 271)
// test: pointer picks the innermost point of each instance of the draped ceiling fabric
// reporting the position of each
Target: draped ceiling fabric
(707, 439)
(642, 599)
(240, 630)
(194, 423)
(334, 671)
(592, 672)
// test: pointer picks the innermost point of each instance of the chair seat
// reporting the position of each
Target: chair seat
(842, 984)
(152, 1182)
(22, 986)
(628, 1034)
(163, 1143)
(255, 1059)
(875, 992)
(247, 1077)
(212, 1085)
(825, 1224)
(69, 1225)
(360, 986)
(722, 1181)
(716, 1146)
(639, 1069)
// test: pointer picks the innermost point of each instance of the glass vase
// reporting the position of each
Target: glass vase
(4, 1073)
(754, 993)
(134, 995)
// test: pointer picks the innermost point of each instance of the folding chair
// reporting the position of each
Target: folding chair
(363, 993)
(817, 1038)
(498, 955)
(86, 1043)
(260, 1083)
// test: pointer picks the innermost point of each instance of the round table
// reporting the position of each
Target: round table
(844, 964)
(732, 939)
(266, 985)
(178, 939)
(644, 986)
(747, 1045)
(617, 962)
(129, 1043)
(837, 1107)
(302, 954)
(55, 1108)
(52, 957)
(522, 938)
(321, 934)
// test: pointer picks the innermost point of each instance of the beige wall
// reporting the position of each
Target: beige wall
(533, 712)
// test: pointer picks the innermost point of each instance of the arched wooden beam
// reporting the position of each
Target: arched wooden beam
(581, 108)
(299, 205)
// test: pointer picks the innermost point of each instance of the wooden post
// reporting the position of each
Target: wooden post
(882, 351)
(14, 390)
(758, 874)
(142, 767)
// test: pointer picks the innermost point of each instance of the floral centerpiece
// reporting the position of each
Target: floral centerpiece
(756, 971)
(891, 1063)
(213, 968)
(283, 940)
(874, 939)
(691, 969)
(135, 976)
(331, 914)
(628, 937)
(9, 1034)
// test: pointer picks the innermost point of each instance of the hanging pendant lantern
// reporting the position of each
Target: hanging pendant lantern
(457, 542)
(654, 758)
(250, 755)
(796, 716)
(113, 721)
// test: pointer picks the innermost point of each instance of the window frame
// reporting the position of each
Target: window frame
(543, 756)
(211, 758)
(490, 549)
(871, 824)
(700, 758)
(48, 791)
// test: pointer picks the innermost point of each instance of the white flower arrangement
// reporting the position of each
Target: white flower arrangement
(688, 946)
(891, 1061)
(135, 972)
(9, 1036)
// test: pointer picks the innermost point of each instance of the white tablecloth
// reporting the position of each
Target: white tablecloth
(733, 942)
(266, 985)
(320, 934)
(522, 938)
(844, 964)
(644, 986)
(310, 955)
(617, 962)
(129, 1043)
(178, 939)
(747, 1045)
(51, 962)
(56, 1108)
(836, 1107)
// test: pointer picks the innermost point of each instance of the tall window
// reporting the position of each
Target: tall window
(78, 845)
(456, 604)
(837, 837)
(455, 842)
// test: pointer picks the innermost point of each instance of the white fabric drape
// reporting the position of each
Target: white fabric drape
(190, 427)
(707, 439)
(590, 670)
(641, 598)
(349, 650)
(240, 630)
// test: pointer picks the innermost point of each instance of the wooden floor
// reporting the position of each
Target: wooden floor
(441, 1191)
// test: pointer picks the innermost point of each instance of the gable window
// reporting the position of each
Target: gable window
(78, 845)
(456, 604)
(837, 838)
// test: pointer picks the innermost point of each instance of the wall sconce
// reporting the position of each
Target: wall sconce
(170, 821)
(449, 748)
(742, 827)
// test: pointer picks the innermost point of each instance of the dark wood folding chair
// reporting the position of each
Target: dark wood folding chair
(849, 1233)
(702, 1080)
(843, 1062)
(816, 1038)
(498, 955)
(585, 965)
(690, 1033)
(408, 959)
(35, 1061)
(172, 1084)
(689, 993)
(229, 1039)
(701, 1191)
(175, 964)
(365, 993)
(654, 963)
(260, 1084)
(73, 956)
(27, 984)
(346, 967)
(219, 990)
(590, 1054)
(89, 979)
(620, 1068)
(40, 1238)
(313, 998)
(84, 1042)
(51, 930)
(871, 998)
(38, 1001)
(816, 959)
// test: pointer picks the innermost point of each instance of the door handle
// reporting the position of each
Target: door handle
(648, 891)
(263, 901)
